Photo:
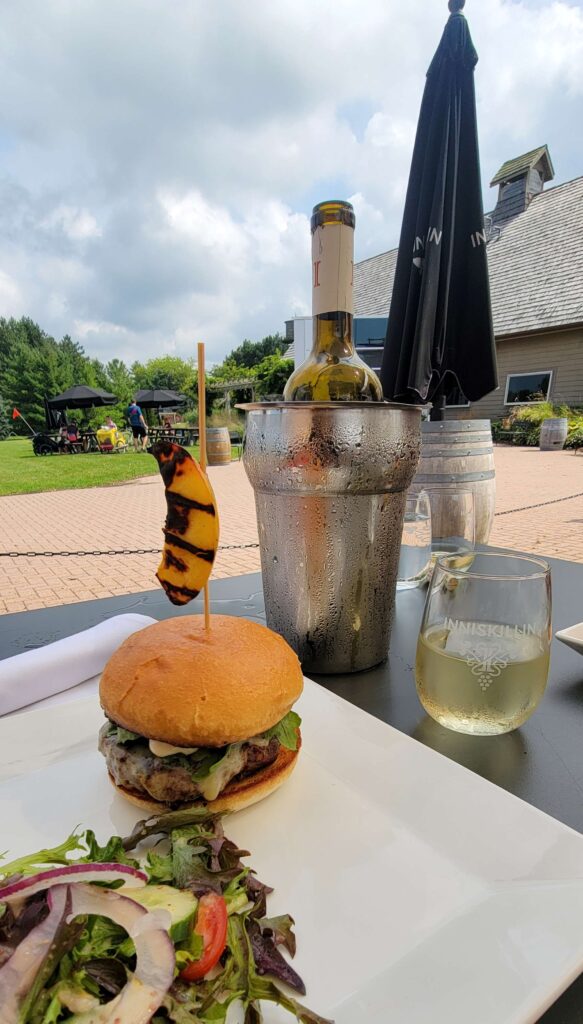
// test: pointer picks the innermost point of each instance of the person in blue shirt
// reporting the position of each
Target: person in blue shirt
(139, 428)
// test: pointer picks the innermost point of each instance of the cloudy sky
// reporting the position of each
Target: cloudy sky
(160, 158)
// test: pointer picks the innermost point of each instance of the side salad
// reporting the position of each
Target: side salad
(172, 931)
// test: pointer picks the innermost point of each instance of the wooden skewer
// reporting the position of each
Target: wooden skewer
(202, 456)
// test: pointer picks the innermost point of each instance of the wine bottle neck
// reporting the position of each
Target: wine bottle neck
(332, 269)
(332, 335)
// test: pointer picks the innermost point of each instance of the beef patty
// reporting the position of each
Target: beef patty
(169, 780)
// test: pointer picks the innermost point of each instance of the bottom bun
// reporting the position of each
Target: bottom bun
(238, 794)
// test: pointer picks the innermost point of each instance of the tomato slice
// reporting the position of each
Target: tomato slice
(211, 925)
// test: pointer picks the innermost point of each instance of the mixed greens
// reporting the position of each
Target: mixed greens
(175, 931)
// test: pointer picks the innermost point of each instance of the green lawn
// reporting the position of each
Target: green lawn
(23, 472)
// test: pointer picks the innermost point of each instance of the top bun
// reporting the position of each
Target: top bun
(177, 682)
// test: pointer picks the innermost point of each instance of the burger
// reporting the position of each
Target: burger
(200, 716)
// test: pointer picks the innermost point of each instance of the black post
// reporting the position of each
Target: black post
(438, 405)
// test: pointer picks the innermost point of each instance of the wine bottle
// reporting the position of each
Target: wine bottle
(333, 372)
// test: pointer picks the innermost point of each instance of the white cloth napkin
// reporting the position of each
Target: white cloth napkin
(30, 677)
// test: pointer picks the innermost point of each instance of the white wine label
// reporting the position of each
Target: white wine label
(332, 269)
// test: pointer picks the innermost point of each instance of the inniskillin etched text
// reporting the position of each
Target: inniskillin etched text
(489, 629)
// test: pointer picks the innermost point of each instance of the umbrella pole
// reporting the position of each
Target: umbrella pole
(438, 405)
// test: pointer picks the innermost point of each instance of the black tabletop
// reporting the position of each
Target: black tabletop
(542, 762)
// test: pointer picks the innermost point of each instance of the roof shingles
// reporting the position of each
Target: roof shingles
(536, 267)
(514, 168)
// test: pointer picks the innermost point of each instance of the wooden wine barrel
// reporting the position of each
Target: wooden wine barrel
(459, 454)
(553, 435)
(218, 446)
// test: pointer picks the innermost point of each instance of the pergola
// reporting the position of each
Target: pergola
(228, 386)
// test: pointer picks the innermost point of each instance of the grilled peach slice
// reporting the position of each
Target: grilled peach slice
(191, 530)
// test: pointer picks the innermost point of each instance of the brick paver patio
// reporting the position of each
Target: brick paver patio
(131, 516)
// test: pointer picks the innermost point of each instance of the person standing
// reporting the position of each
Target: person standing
(138, 425)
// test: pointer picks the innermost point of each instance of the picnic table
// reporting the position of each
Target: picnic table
(186, 436)
(541, 763)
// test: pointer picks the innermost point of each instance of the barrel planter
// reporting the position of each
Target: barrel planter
(218, 446)
(459, 455)
(553, 435)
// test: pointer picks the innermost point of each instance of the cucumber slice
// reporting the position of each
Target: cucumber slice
(178, 902)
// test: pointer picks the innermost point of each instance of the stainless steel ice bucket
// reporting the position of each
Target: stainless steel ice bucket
(330, 481)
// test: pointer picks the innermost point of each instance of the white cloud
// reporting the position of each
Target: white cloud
(387, 130)
(160, 160)
(84, 328)
(76, 224)
(11, 299)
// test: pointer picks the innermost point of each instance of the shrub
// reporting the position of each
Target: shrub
(234, 420)
(575, 435)
(526, 422)
(521, 433)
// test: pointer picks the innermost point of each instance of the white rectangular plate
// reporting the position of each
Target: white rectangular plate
(572, 637)
(420, 891)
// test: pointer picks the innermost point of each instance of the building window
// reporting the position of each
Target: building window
(523, 388)
(370, 330)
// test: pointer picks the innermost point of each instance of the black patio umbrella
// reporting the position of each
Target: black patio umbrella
(81, 397)
(158, 398)
(439, 333)
(52, 417)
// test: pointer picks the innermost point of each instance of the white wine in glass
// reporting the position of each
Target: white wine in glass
(479, 688)
(483, 651)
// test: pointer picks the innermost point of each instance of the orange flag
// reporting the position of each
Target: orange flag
(15, 414)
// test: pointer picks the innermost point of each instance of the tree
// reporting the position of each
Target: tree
(166, 372)
(23, 383)
(74, 366)
(119, 380)
(33, 365)
(251, 353)
(24, 330)
(272, 375)
(5, 420)
(230, 370)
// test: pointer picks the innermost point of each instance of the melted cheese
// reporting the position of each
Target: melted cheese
(217, 780)
(160, 749)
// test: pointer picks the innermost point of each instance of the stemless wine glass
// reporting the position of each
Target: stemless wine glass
(483, 650)
(415, 555)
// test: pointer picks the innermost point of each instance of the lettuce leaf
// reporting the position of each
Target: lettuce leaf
(242, 977)
(159, 868)
(112, 853)
(286, 731)
(281, 930)
(268, 959)
(101, 939)
(32, 862)
(106, 973)
(122, 735)
(126, 736)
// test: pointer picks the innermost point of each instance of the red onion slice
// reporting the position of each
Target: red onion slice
(154, 973)
(19, 972)
(25, 887)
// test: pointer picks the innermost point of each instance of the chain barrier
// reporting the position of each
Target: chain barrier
(541, 504)
(223, 547)
(113, 551)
